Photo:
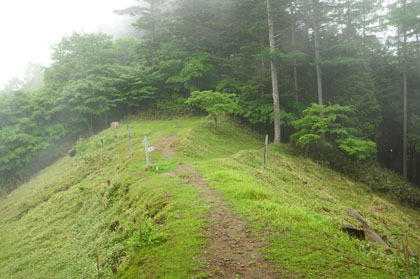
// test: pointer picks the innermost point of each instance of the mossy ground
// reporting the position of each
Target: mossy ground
(61, 222)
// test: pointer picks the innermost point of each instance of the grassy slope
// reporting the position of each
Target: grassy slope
(57, 224)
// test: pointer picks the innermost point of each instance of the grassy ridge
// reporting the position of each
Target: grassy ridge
(298, 207)
(56, 225)
(60, 223)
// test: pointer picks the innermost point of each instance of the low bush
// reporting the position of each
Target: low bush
(146, 236)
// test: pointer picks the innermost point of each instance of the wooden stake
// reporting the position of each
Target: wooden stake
(129, 140)
(265, 151)
(98, 267)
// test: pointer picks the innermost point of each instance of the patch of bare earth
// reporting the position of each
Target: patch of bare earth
(165, 145)
(232, 251)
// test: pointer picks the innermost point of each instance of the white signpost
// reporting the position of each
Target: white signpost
(148, 149)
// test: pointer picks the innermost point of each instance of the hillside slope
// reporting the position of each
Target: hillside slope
(206, 209)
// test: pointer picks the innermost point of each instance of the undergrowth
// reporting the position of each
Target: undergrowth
(103, 212)
(146, 236)
(380, 180)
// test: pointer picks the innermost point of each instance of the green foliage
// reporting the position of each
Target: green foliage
(71, 199)
(312, 214)
(199, 45)
(358, 148)
(194, 70)
(253, 106)
(317, 120)
(356, 88)
(80, 147)
(146, 236)
(213, 102)
(414, 135)
(175, 106)
(330, 121)
(74, 208)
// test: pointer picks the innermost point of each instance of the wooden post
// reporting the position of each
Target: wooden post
(98, 266)
(102, 143)
(265, 151)
(129, 140)
(148, 149)
(147, 153)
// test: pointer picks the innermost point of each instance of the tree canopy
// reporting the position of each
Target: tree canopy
(215, 103)
(363, 56)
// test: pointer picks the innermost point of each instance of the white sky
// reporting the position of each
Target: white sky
(28, 28)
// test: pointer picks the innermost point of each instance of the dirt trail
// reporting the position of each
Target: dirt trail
(232, 251)
(165, 145)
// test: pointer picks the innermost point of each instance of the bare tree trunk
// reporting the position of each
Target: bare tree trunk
(317, 54)
(262, 76)
(152, 12)
(276, 100)
(90, 124)
(295, 75)
(348, 35)
(215, 121)
(405, 104)
(364, 29)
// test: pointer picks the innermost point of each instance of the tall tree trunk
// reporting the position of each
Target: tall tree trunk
(405, 104)
(295, 74)
(91, 123)
(276, 100)
(153, 31)
(348, 31)
(317, 54)
(364, 29)
(262, 76)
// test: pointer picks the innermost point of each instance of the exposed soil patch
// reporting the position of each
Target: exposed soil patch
(165, 145)
(232, 251)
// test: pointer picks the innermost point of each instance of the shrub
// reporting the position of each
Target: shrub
(81, 147)
(213, 102)
(175, 106)
(330, 122)
(146, 236)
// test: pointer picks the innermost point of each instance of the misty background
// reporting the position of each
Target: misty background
(30, 28)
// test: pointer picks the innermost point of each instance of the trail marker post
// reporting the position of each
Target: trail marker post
(148, 149)
(129, 140)
(265, 151)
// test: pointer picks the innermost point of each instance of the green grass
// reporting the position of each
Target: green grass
(299, 207)
(58, 224)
